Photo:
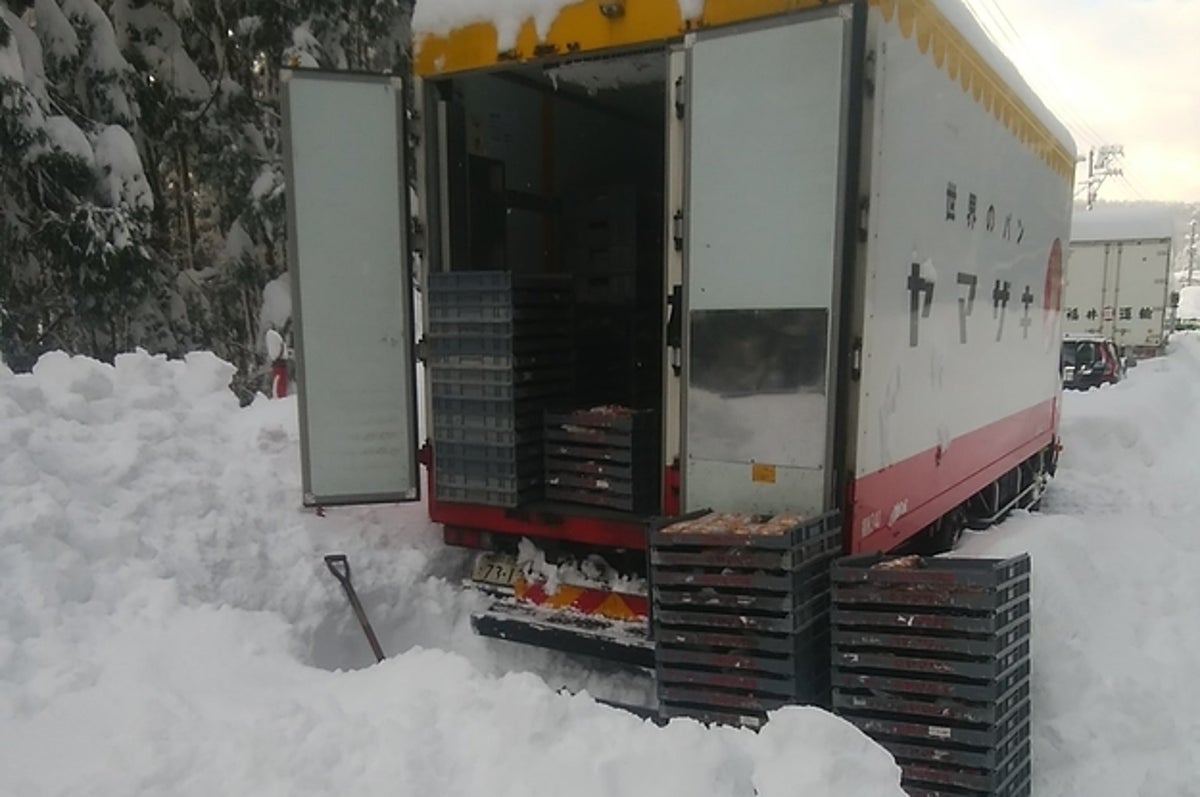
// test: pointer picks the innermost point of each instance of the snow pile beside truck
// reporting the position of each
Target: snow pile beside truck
(166, 626)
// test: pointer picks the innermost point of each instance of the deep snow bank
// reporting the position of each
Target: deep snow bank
(163, 603)
(1115, 589)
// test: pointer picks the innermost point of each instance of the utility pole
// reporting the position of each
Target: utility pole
(1191, 251)
(1103, 162)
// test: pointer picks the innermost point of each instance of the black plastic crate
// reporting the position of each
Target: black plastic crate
(1017, 783)
(802, 652)
(484, 496)
(726, 601)
(504, 375)
(642, 469)
(792, 532)
(494, 282)
(941, 598)
(974, 781)
(802, 683)
(932, 572)
(713, 716)
(736, 701)
(559, 449)
(616, 419)
(446, 451)
(883, 728)
(469, 435)
(739, 642)
(483, 409)
(933, 686)
(641, 503)
(932, 620)
(980, 759)
(966, 669)
(541, 390)
(457, 312)
(509, 331)
(942, 710)
(991, 645)
(791, 621)
(506, 365)
(730, 573)
(447, 346)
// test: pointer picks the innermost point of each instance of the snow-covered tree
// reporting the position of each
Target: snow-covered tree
(142, 192)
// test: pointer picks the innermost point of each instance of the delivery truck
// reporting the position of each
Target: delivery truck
(1118, 277)
(797, 257)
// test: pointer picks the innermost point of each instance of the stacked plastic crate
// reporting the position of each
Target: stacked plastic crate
(605, 457)
(931, 659)
(740, 614)
(499, 353)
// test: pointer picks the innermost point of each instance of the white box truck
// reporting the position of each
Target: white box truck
(820, 243)
(1118, 277)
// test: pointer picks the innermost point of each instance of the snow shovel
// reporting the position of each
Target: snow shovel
(340, 567)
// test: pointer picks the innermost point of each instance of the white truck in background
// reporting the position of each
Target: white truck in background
(1118, 278)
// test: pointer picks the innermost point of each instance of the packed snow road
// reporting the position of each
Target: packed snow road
(167, 625)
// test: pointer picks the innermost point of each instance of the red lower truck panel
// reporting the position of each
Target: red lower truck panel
(917, 491)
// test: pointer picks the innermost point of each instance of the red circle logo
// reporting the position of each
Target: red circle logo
(1052, 303)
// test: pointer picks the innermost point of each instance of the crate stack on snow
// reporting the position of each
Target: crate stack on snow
(931, 659)
(740, 614)
(499, 354)
(603, 456)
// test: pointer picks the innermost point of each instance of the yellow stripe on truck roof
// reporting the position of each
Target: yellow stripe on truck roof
(585, 27)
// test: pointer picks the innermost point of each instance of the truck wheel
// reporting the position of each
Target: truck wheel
(942, 536)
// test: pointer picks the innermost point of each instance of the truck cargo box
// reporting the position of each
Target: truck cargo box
(820, 244)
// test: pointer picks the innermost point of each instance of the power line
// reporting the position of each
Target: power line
(1000, 27)
(997, 23)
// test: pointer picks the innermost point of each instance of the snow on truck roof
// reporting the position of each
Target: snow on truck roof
(454, 36)
(1118, 223)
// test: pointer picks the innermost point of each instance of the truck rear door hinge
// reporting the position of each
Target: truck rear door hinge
(416, 236)
(421, 350)
(675, 328)
(856, 359)
(680, 101)
(677, 230)
(864, 216)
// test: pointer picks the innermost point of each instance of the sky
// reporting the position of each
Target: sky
(1115, 72)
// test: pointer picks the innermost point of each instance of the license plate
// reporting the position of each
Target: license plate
(496, 569)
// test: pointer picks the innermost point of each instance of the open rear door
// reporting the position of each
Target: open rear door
(766, 129)
(348, 251)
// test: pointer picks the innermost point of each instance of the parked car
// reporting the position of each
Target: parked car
(1091, 361)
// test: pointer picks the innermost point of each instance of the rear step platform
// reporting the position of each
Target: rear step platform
(618, 642)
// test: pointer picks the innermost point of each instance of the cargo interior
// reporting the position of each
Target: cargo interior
(552, 171)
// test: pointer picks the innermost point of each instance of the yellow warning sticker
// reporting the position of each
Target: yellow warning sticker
(762, 474)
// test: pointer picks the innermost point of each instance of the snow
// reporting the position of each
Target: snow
(167, 627)
(1115, 556)
(276, 308)
(163, 50)
(1189, 303)
(10, 57)
(30, 50)
(1117, 223)
(66, 136)
(592, 572)
(122, 179)
(57, 34)
(166, 624)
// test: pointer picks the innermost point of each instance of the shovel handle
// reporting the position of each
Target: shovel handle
(339, 565)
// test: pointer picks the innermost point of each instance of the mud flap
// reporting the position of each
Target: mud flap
(622, 643)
